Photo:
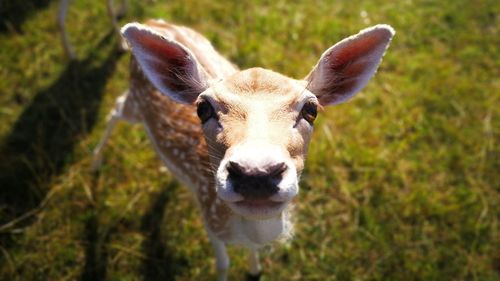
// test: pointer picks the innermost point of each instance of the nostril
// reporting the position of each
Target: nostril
(235, 170)
(257, 182)
(271, 171)
(277, 170)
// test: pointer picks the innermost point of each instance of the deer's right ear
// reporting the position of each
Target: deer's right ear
(168, 65)
(346, 67)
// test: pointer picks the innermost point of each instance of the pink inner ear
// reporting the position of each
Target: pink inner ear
(167, 64)
(344, 61)
(346, 67)
(167, 56)
(349, 65)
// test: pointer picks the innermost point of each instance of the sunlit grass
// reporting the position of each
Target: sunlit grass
(401, 183)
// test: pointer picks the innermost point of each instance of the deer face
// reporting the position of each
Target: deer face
(258, 123)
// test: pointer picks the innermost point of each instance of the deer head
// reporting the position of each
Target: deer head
(258, 123)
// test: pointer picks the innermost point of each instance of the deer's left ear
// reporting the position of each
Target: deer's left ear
(170, 66)
(345, 68)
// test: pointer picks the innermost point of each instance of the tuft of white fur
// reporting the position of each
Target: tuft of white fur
(288, 222)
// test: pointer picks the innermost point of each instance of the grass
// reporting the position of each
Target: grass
(402, 183)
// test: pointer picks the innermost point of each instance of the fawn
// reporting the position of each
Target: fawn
(237, 139)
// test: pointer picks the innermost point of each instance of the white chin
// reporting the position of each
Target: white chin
(257, 209)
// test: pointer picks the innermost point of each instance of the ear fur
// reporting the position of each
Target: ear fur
(345, 68)
(170, 66)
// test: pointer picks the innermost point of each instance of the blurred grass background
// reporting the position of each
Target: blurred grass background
(402, 183)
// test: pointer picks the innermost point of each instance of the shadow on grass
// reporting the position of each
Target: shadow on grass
(96, 239)
(160, 264)
(14, 13)
(42, 140)
(96, 250)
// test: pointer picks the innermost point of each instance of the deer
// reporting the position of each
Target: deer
(112, 14)
(237, 139)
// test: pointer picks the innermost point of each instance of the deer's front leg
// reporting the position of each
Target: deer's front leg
(113, 15)
(221, 257)
(61, 19)
(254, 267)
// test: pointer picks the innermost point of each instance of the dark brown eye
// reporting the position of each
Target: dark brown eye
(309, 112)
(205, 111)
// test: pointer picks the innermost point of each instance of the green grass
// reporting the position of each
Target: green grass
(402, 183)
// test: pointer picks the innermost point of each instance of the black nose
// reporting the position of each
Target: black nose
(256, 182)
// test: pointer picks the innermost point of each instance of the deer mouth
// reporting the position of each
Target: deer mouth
(258, 208)
(258, 203)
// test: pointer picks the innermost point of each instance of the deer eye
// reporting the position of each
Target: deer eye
(309, 111)
(205, 111)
